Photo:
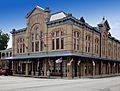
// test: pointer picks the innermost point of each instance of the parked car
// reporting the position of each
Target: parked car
(5, 72)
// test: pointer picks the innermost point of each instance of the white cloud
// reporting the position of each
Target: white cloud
(115, 29)
(116, 24)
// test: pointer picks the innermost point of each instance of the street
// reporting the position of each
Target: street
(11, 83)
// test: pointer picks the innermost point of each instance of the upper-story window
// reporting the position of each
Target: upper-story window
(20, 45)
(7, 54)
(37, 34)
(10, 54)
(57, 40)
(103, 44)
(115, 50)
(37, 38)
(76, 40)
(88, 43)
(96, 45)
(3, 54)
(109, 49)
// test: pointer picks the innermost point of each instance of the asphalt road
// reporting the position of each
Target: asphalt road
(11, 83)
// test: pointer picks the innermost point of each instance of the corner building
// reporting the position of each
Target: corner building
(84, 50)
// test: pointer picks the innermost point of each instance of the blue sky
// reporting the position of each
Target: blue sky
(13, 12)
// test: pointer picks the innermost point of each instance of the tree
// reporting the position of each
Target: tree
(4, 38)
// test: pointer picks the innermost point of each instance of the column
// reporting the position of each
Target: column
(104, 69)
(69, 70)
(21, 68)
(112, 68)
(13, 70)
(37, 72)
(109, 68)
(26, 69)
(45, 66)
(79, 70)
(82, 69)
(101, 68)
(32, 73)
(93, 65)
(117, 68)
(97, 69)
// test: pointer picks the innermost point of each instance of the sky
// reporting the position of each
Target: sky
(13, 12)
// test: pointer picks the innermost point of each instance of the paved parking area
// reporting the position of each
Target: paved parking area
(11, 83)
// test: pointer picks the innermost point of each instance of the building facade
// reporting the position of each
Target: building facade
(4, 64)
(61, 45)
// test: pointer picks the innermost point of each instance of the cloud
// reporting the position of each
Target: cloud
(115, 29)
(116, 25)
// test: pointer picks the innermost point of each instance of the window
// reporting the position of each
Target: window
(32, 46)
(96, 45)
(53, 44)
(3, 54)
(37, 46)
(115, 50)
(88, 44)
(37, 40)
(76, 40)
(57, 43)
(32, 37)
(103, 45)
(23, 48)
(20, 48)
(37, 34)
(10, 54)
(7, 54)
(62, 43)
(41, 46)
(20, 45)
(109, 49)
(57, 40)
(17, 47)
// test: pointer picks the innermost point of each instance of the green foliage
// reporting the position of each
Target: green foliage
(4, 38)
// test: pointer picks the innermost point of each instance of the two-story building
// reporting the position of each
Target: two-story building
(64, 45)
(3, 55)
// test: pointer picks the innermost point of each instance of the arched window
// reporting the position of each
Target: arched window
(20, 45)
(76, 40)
(57, 40)
(88, 43)
(37, 40)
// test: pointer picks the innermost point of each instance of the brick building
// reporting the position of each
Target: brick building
(64, 45)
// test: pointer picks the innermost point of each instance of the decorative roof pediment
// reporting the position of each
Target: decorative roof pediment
(37, 7)
(105, 22)
(107, 25)
(82, 19)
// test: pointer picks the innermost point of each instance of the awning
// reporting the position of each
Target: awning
(55, 54)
